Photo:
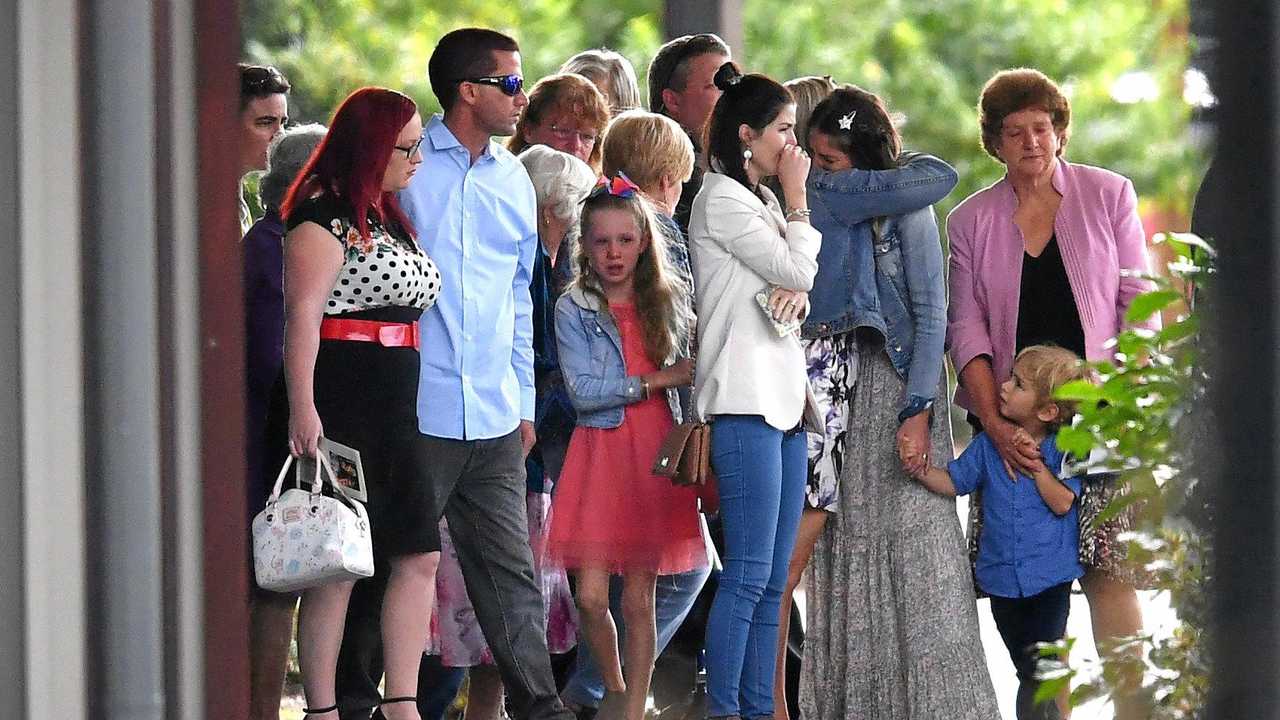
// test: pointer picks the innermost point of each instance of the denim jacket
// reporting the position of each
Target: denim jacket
(882, 219)
(595, 374)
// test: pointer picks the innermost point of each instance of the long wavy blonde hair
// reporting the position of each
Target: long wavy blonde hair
(658, 291)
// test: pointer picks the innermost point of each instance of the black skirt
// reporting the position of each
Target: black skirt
(366, 396)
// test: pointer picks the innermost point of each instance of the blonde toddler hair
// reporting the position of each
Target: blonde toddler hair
(1045, 368)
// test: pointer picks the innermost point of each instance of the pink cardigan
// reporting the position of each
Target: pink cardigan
(1099, 234)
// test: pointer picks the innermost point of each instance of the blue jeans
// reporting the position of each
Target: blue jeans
(673, 597)
(761, 471)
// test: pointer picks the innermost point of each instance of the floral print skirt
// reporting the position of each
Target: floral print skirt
(455, 634)
(833, 369)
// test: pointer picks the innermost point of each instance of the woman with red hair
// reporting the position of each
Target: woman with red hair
(356, 282)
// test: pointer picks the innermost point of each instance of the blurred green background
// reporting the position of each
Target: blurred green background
(1124, 64)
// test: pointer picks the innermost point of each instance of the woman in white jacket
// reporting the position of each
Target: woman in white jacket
(750, 380)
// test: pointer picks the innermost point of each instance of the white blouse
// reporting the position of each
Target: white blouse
(739, 245)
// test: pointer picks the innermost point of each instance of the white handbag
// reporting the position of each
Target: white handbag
(304, 538)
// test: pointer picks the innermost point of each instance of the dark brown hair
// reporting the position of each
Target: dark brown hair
(259, 81)
(464, 53)
(754, 100)
(1010, 91)
(870, 141)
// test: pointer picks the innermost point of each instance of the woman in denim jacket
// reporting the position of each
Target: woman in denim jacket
(893, 628)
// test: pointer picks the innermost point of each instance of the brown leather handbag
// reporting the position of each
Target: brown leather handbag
(685, 459)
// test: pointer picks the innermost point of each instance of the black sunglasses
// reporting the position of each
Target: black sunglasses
(508, 84)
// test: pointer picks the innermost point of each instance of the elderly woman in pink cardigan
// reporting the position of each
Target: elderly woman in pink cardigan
(1045, 255)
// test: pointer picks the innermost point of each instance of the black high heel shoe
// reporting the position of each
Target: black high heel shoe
(319, 711)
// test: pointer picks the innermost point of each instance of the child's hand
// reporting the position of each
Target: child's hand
(679, 374)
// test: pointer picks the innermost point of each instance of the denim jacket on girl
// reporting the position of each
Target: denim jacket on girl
(590, 349)
(880, 266)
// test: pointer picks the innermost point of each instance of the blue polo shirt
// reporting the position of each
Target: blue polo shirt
(1024, 548)
(478, 223)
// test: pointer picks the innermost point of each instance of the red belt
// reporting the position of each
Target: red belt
(387, 334)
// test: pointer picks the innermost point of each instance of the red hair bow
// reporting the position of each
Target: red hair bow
(618, 186)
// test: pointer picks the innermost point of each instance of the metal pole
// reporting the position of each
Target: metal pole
(1245, 648)
(722, 17)
(121, 393)
(12, 601)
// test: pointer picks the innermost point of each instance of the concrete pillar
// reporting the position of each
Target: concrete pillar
(722, 17)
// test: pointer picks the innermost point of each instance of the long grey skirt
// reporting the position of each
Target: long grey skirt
(893, 626)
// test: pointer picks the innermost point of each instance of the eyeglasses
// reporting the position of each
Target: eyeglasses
(409, 151)
(565, 135)
(508, 84)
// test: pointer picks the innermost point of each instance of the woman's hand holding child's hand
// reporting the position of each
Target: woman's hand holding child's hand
(913, 443)
(1015, 445)
(908, 448)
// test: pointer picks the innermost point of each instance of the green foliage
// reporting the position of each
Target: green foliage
(327, 48)
(1146, 416)
(929, 60)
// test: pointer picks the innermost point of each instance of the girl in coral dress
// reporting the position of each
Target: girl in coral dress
(622, 331)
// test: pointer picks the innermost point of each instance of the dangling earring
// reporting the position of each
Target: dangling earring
(746, 154)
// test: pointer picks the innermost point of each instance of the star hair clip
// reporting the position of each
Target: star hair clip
(846, 122)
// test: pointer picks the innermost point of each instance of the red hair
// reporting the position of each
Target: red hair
(353, 157)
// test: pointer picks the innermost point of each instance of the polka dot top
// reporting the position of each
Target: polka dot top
(387, 269)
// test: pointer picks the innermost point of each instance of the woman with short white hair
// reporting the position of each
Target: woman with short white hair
(560, 181)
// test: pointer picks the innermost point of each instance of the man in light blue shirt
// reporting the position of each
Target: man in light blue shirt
(474, 210)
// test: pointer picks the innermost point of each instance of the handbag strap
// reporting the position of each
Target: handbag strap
(338, 489)
(275, 489)
(317, 484)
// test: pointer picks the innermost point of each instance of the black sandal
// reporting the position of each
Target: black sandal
(403, 698)
(319, 711)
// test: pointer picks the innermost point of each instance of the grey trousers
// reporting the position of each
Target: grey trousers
(479, 486)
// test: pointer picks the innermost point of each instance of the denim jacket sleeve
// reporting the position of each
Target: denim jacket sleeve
(855, 196)
(589, 389)
(926, 285)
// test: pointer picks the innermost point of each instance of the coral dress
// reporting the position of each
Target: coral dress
(610, 512)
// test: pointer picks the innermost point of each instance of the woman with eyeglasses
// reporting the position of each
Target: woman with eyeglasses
(356, 282)
(565, 112)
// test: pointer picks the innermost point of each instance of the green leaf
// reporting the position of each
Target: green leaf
(1081, 390)
(1075, 440)
(1150, 303)
(1180, 330)
(1049, 689)
(1181, 241)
